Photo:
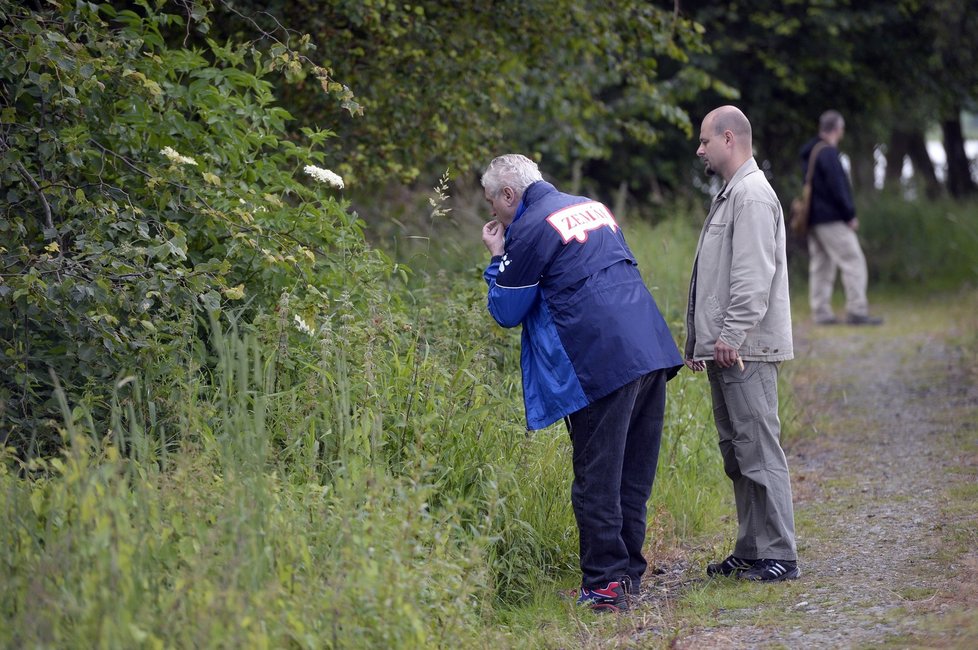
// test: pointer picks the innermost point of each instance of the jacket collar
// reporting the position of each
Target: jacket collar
(749, 167)
(531, 195)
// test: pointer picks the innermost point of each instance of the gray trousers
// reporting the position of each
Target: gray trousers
(745, 409)
(833, 248)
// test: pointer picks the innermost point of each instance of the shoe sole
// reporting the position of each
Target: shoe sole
(714, 570)
(606, 608)
(720, 573)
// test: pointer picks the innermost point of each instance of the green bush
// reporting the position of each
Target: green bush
(915, 242)
(145, 185)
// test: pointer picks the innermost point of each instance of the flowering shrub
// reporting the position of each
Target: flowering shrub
(324, 176)
(144, 186)
(176, 158)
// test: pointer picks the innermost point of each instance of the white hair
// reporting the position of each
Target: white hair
(511, 170)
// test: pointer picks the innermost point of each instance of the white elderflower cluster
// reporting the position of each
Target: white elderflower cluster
(324, 176)
(176, 157)
(303, 327)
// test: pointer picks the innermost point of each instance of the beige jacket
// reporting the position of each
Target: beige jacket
(739, 288)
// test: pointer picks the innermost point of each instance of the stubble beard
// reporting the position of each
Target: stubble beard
(707, 169)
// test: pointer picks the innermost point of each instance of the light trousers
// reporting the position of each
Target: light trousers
(835, 247)
(745, 409)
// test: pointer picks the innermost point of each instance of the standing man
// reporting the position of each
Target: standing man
(595, 351)
(832, 225)
(738, 326)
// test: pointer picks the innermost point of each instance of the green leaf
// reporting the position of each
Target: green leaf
(211, 301)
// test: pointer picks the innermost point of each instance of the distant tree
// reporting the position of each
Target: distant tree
(602, 91)
(953, 26)
(894, 69)
(792, 60)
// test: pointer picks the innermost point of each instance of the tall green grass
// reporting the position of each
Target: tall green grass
(691, 491)
(231, 542)
(364, 480)
(920, 243)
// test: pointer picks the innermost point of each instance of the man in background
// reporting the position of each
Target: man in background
(594, 350)
(832, 225)
(738, 326)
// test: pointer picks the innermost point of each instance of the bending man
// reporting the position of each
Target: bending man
(594, 350)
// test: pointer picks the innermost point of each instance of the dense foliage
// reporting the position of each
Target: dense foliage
(609, 95)
(226, 419)
(441, 87)
(144, 186)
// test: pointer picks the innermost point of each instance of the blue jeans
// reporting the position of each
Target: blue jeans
(616, 448)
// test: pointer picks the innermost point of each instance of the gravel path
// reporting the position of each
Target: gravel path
(883, 448)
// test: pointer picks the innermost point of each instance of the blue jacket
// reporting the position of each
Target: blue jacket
(590, 325)
(831, 194)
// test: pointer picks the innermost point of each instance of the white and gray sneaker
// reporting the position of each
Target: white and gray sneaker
(772, 571)
(732, 566)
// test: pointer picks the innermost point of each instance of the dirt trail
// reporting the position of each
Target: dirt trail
(884, 465)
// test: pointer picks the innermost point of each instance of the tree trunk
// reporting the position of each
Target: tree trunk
(959, 181)
(923, 166)
(896, 151)
(621, 202)
(577, 175)
(911, 143)
(861, 161)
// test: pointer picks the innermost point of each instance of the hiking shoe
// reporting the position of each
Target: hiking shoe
(772, 571)
(862, 319)
(606, 599)
(827, 320)
(731, 566)
(631, 586)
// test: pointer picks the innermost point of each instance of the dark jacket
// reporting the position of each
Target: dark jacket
(831, 193)
(590, 325)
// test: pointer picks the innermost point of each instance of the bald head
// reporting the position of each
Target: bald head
(731, 118)
(725, 141)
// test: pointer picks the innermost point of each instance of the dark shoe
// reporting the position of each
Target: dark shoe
(772, 571)
(856, 319)
(606, 599)
(829, 320)
(731, 566)
(630, 586)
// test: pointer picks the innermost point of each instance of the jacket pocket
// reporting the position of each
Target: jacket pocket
(715, 309)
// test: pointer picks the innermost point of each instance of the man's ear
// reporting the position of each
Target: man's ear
(510, 194)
